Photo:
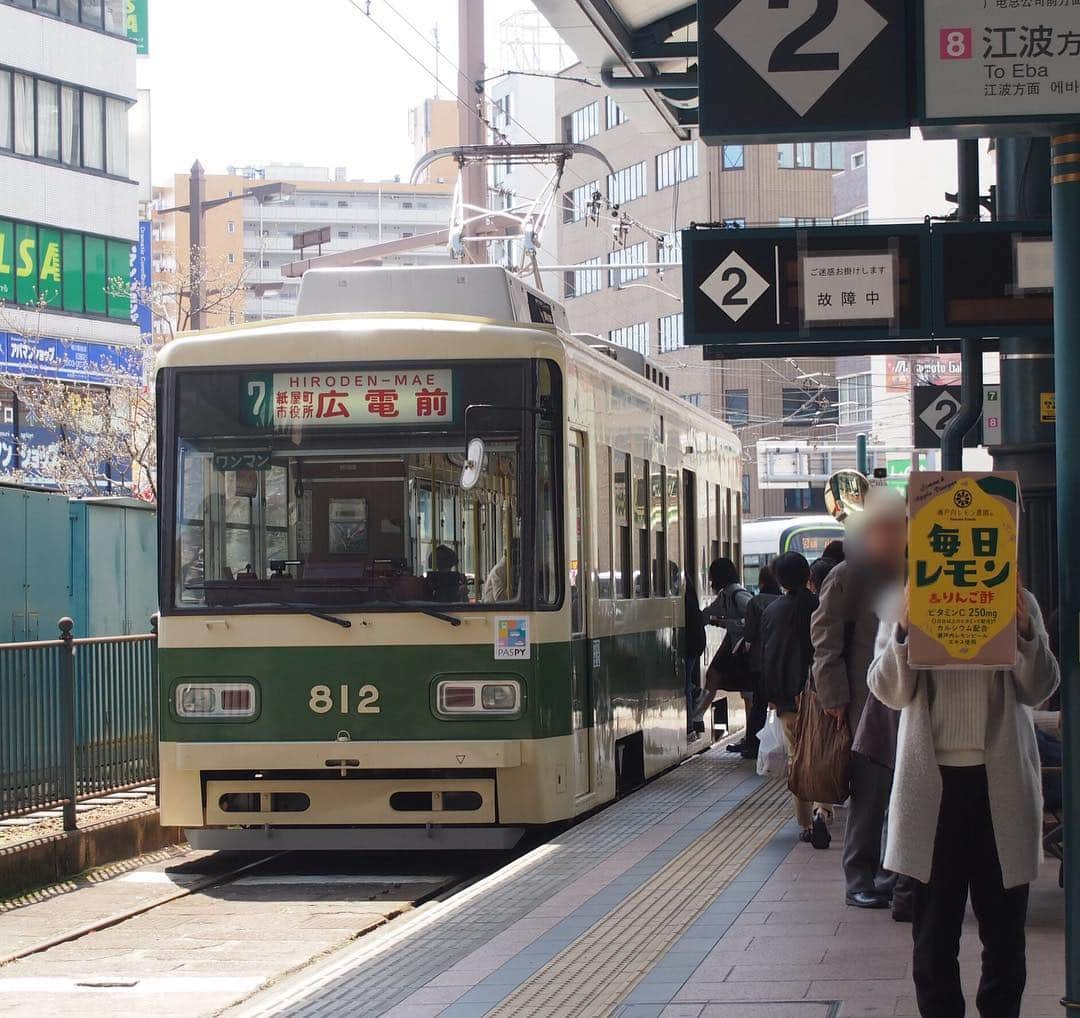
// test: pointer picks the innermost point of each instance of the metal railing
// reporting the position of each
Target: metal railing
(78, 718)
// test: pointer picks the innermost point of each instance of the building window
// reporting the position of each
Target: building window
(501, 115)
(676, 164)
(737, 407)
(627, 256)
(855, 399)
(633, 337)
(694, 398)
(733, 157)
(230, 227)
(858, 160)
(627, 184)
(807, 155)
(343, 234)
(670, 333)
(804, 500)
(265, 263)
(583, 123)
(804, 408)
(111, 16)
(6, 110)
(583, 281)
(576, 202)
(48, 120)
(745, 493)
(59, 123)
(231, 257)
(615, 114)
(669, 249)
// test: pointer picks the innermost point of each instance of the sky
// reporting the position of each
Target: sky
(245, 82)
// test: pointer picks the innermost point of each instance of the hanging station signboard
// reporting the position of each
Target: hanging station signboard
(990, 277)
(831, 290)
(776, 70)
(997, 66)
(783, 71)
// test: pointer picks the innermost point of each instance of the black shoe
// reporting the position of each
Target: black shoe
(749, 752)
(901, 915)
(735, 747)
(860, 899)
(819, 833)
(805, 835)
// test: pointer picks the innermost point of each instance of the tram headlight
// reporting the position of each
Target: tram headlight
(478, 696)
(502, 696)
(215, 700)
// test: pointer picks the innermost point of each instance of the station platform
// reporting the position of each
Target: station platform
(692, 898)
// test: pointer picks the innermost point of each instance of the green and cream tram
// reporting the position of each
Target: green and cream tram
(422, 567)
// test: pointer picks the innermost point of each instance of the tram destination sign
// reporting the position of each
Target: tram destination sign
(780, 70)
(831, 290)
(379, 396)
(997, 66)
(993, 278)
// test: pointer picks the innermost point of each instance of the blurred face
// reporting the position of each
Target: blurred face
(884, 541)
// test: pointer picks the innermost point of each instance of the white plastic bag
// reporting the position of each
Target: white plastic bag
(772, 748)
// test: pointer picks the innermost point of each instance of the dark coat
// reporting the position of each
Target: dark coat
(752, 631)
(787, 652)
(696, 641)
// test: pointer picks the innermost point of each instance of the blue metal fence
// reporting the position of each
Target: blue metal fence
(78, 718)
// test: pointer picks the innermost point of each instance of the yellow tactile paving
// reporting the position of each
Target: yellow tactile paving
(599, 969)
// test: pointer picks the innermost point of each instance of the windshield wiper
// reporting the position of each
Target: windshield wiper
(423, 609)
(307, 609)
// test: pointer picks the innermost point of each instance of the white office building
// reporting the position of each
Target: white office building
(68, 205)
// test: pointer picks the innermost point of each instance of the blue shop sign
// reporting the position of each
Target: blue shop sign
(70, 360)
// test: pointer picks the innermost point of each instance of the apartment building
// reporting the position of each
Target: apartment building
(619, 250)
(68, 211)
(247, 242)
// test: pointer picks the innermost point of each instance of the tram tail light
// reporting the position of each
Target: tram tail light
(478, 696)
(215, 700)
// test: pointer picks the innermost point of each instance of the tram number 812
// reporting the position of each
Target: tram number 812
(322, 700)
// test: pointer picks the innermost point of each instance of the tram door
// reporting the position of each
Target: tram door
(581, 661)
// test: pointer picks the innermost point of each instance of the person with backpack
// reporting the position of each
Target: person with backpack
(786, 656)
(728, 610)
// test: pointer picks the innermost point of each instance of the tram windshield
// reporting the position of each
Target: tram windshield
(341, 487)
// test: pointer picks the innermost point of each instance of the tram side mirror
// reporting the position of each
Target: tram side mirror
(473, 465)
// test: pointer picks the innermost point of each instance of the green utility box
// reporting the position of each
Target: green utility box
(33, 563)
(113, 572)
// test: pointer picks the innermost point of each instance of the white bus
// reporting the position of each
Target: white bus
(764, 540)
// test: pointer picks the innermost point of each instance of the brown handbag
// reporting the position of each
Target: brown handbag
(820, 768)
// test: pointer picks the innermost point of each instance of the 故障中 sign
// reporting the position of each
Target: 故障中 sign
(962, 580)
(383, 396)
(990, 65)
(834, 290)
(770, 71)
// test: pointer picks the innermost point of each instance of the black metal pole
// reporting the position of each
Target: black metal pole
(196, 196)
(68, 780)
(952, 442)
(1027, 371)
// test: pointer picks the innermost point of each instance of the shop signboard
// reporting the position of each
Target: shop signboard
(962, 573)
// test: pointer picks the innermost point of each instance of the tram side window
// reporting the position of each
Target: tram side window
(674, 533)
(641, 527)
(547, 587)
(578, 565)
(603, 528)
(625, 586)
(656, 526)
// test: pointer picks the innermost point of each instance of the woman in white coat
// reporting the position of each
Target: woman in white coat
(966, 809)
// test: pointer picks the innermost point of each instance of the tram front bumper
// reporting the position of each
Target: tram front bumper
(333, 799)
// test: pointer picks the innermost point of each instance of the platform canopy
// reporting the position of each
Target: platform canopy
(639, 39)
